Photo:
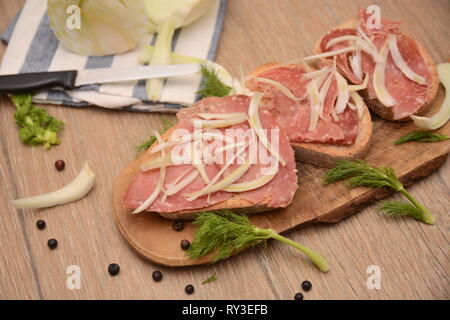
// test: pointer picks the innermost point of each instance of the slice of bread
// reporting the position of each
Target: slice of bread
(235, 203)
(375, 105)
(326, 155)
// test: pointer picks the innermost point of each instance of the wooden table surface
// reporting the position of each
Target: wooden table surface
(413, 257)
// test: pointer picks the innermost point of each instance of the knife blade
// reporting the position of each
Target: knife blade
(71, 79)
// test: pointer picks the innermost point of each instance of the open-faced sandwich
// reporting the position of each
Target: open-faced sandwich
(324, 117)
(401, 76)
(224, 153)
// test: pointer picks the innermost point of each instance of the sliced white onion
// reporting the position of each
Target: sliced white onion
(314, 98)
(379, 78)
(330, 53)
(225, 182)
(255, 123)
(343, 93)
(443, 115)
(401, 63)
(156, 163)
(222, 123)
(162, 146)
(221, 116)
(356, 65)
(180, 185)
(359, 103)
(74, 191)
(317, 73)
(323, 93)
(334, 115)
(249, 185)
(337, 40)
(207, 188)
(159, 186)
(196, 161)
(278, 86)
(362, 86)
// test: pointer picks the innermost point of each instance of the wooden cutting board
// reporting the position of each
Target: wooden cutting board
(153, 237)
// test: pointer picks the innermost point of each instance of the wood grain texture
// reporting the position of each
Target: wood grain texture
(413, 257)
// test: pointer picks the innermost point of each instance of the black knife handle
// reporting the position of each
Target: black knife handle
(25, 82)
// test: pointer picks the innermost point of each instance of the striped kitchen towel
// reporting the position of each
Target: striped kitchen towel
(32, 47)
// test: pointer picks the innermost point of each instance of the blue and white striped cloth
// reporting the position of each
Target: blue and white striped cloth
(32, 47)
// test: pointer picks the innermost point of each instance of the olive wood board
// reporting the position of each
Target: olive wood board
(154, 239)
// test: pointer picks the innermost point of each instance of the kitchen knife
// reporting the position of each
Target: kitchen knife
(71, 79)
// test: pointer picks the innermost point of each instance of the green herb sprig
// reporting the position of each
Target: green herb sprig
(37, 127)
(144, 145)
(225, 232)
(360, 173)
(394, 208)
(211, 278)
(211, 85)
(422, 136)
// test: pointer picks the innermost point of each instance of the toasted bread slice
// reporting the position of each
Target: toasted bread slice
(235, 203)
(376, 106)
(326, 155)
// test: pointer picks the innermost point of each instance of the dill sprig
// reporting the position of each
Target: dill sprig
(394, 208)
(225, 232)
(211, 85)
(144, 145)
(36, 125)
(211, 278)
(360, 173)
(422, 136)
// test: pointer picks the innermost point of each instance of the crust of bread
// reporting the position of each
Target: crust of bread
(375, 105)
(326, 155)
(235, 203)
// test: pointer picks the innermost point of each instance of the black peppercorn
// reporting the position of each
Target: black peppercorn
(60, 165)
(298, 296)
(113, 269)
(52, 243)
(189, 289)
(40, 224)
(306, 285)
(178, 225)
(157, 276)
(185, 244)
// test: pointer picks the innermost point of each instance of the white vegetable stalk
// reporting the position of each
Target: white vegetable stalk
(74, 191)
(161, 56)
(167, 16)
(355, 63)
(223, 123)
(362, 86)
(323, 93)
(379, 78)
(211, 116)
(359, 103)
(401, 63)
(314, 98)
(278, 86)
(159, 186)
(443, 115)
(343, 93)
(330, 53)
(255, 122)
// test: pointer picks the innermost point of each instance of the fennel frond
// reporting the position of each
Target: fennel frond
(422, 136)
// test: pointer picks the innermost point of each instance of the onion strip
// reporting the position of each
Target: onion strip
(343, 93)
(330, 53)
(278, 86)
(401, 63)
(443, 115)
(75, 190)
(379, 78)
(255, 123)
